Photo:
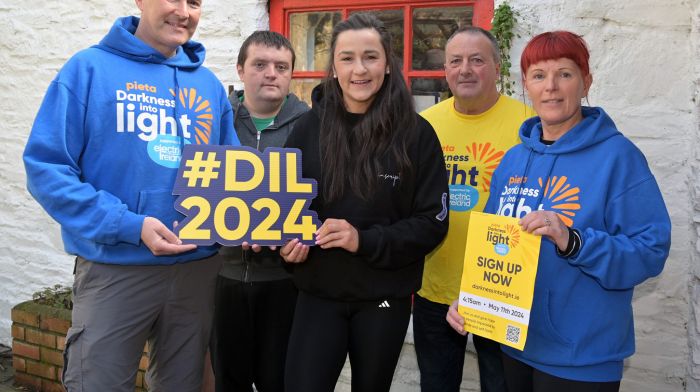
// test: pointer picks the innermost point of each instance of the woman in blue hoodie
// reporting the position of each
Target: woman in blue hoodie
(579, 183)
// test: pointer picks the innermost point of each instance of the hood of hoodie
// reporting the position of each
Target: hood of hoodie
(120, 40)
(595, 127)
(318, 99)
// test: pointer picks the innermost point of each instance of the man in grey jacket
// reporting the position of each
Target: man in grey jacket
(255, 295)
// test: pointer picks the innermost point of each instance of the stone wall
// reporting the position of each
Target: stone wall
(646, 75)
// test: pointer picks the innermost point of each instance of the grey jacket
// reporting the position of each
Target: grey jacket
(267, 265)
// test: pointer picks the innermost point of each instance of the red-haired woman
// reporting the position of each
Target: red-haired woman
(589, 192)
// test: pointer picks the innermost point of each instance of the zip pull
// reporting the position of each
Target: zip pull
(246, 265)
(257, 147)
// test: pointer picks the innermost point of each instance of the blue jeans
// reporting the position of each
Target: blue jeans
(440, 352)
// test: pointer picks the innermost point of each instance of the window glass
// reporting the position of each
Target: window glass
(428, 91)
(302, 88)
(310, 35)
(393, 21)
(431, 29)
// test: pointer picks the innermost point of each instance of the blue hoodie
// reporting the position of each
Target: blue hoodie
(105, 146)
(598, 182)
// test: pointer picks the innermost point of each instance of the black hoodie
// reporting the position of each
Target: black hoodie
(403, 222)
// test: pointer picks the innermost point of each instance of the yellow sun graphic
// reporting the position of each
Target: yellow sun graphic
(203, 115)
(563, 197)
(514, 234)
(487, 159)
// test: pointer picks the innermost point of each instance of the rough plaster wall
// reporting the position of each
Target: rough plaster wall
(694, 180)
(39, 36)
(644, 75)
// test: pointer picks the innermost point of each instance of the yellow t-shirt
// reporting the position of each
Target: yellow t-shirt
(473, 146)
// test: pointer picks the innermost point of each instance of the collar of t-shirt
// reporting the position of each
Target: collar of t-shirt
(546, 142)
(262, 123)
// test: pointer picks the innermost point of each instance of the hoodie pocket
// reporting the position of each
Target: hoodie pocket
(545, 344)
(548, 319)
(159, 204)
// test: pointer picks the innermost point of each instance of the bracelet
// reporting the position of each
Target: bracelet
(573, 246)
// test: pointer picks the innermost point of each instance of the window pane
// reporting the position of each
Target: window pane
(393, 21)
(428, 91)
(302, 88)
(431, 29)
(310, 34)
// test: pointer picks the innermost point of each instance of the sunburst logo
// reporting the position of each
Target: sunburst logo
(203, 115)
(487, 158)
(563, 198)
(514, 234)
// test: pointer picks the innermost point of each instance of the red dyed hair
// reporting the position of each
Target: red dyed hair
(554, 45)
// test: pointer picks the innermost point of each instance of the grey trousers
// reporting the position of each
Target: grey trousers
(117, 309)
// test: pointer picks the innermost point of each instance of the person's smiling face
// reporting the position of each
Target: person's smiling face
(359, 63)
(167, 24)
(470, 68)
(556, 88)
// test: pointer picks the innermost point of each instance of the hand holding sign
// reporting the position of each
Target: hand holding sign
(338, 233)
(160, 240)
(232, 195)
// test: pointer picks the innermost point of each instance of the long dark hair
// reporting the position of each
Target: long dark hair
(355, 152)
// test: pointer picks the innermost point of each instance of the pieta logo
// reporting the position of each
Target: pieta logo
(200, 109)
(488, 159)
(468, 173)
(564, 199)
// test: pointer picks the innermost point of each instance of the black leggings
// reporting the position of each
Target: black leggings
(521, 377)
(325, 331)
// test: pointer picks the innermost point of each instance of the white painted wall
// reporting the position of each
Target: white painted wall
(38, 38)
(644, 54)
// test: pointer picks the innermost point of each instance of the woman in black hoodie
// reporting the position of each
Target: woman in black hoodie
(383, 203)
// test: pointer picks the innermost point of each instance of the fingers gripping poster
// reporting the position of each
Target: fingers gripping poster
(498, 280)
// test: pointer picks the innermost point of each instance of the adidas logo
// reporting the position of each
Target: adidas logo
(384, 304)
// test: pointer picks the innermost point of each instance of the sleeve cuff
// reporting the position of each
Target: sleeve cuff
(130, 226)
(367, 242)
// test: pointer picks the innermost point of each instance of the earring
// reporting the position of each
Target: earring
(387, 71)
(335, 76)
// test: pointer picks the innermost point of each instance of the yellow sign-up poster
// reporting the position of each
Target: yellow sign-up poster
(498, 281)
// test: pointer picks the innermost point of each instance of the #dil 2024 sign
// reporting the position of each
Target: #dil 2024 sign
(232, 195)
(498, 280)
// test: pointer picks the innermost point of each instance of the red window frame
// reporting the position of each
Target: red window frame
(281, 9)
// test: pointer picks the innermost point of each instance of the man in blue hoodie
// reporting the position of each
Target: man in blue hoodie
(101, 160)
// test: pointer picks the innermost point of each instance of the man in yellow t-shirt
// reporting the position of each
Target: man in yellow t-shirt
(476, 127)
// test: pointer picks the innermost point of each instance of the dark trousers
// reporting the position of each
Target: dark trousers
(440, 352)
(522, 377)
(326, 331)
(251, 329)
